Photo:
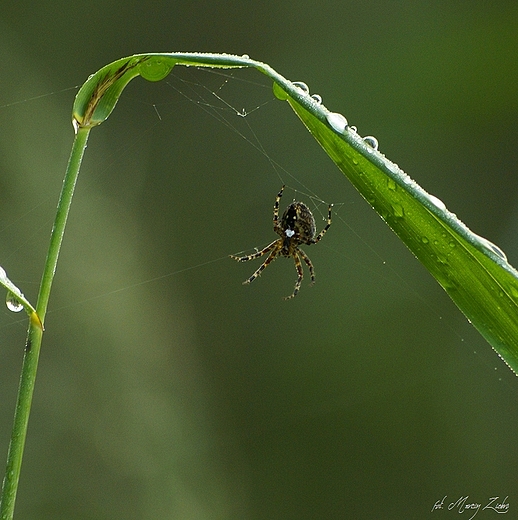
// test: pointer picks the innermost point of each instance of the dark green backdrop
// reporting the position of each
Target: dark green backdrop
(193, 397)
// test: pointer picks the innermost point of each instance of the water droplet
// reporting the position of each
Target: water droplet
(302, 86)
(12, 302)
(279, 92)
(438, 203)
(498, 251)
(492, 247)
(424, 240)
(155, 69)
(317, 99)
(371, 141)
(337, 122)
(448, 283)
(398, 210)
(442, 259)
(391, 184)
(245, 56)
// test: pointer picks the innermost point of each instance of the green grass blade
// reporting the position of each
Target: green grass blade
(473, 271)
(98, 96)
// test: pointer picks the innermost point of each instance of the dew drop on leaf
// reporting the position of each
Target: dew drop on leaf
(302, 86)
(337, 122)
(438, 203)
(155, 69)
(279, 93)
(371, 141)
(12, 302)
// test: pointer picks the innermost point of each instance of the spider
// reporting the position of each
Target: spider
(297, 226)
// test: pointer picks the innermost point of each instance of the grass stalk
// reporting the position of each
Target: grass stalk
(35, 333)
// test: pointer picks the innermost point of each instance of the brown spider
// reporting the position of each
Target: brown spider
(297, 226)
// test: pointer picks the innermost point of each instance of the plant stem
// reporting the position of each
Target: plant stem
(35, 333)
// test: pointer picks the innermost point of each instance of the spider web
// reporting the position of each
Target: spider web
(215, 103)
(232, 99)
(214, 93)
(225, 97)
(236, 100)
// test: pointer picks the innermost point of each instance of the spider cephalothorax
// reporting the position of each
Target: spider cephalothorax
(297, 226)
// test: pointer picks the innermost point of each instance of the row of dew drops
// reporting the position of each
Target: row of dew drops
(337, 121)
(339, 124)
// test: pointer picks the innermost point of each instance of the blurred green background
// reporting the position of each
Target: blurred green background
(190, 396)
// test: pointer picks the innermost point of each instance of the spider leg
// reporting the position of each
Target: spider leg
(273, 255)
(309, 263)
(323, 232)
(245, 258)
(300, 272)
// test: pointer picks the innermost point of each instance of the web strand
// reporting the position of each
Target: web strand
(216, 103)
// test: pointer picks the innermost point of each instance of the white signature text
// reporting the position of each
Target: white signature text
(464, 504)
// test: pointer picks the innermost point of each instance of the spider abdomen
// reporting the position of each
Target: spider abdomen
(298, 218)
